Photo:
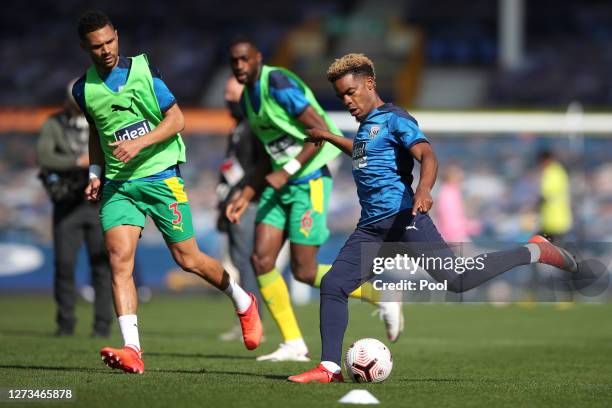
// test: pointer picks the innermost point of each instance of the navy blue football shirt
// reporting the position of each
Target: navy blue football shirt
(382, 163)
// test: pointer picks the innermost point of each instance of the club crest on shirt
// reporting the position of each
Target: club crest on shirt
(374, 131)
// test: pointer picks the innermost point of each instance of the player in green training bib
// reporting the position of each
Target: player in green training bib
(136, 147)
(280, 107)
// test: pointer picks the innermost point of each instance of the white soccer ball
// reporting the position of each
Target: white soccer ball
(368, 360)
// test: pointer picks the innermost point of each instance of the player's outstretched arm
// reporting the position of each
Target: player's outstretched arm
(310, 119)
(422, 200)
(319, 136)
(96, 165)
(172, 124)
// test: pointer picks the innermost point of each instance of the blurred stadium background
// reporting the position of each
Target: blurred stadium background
(491, 82)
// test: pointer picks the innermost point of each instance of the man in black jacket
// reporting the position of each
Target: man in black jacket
(63, 156)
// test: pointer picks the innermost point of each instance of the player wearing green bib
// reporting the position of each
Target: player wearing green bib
(280, 107)
(139, 147)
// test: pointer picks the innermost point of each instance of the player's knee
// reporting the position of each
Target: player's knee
(304, 277)
(119, 255)
(305, 273)
(332, 285)
(262, 263)
(187, 262)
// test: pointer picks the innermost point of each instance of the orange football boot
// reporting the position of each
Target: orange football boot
(252, 330)
(126, 359)
(319, 374)
(553, 255)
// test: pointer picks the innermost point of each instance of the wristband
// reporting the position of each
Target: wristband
(95, 171)
(292, 166)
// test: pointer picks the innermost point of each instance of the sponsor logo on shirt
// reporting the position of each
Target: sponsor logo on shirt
(283, 148)
(133, 131)
(360, 159)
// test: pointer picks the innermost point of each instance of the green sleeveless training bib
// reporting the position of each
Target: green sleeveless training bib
(283, 135)
(129, 114)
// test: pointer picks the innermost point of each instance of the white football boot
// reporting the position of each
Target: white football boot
(286, 352)
(393, 316)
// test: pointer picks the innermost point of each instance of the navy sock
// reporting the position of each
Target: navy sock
(495, 263)
(334, 320)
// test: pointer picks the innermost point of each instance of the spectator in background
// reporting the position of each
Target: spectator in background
(453, 224)
(62, 151)
(241, 157)
(555, 222)
(555, 204)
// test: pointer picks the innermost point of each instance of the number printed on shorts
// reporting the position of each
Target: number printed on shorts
(176, 212)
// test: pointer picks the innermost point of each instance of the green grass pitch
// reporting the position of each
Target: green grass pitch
(449, 355)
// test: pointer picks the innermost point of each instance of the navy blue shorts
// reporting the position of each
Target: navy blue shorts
(353, 264)
(353, 267)
(402, 227)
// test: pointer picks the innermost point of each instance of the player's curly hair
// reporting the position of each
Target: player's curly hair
(91, 21)
(356, 64)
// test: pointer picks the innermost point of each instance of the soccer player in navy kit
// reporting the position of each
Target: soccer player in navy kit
(384, 149)
(293, 205)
